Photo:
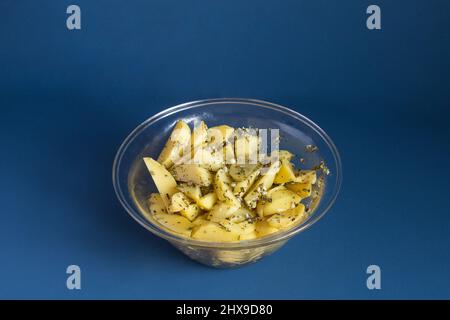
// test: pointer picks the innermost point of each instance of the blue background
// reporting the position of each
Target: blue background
(68, 98)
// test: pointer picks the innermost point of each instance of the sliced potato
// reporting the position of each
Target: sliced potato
(212, 231)
(286, 173)
(199, 135)
(175, 223)
(264, 229)
(223, 189)
(243, 227)
(209, 159)
(178, 202)
(219, 134)
(287, 218)
(302, 189)
(262, 185)
(241, 172)
(221, 139)
(201, 219)
(278, 201)
(191, 211)
(193, 174)
(156, 204)
(305, 176)
(179, 140)
(164, 181)
(246, 147)
(242, 187)
(192, 191)
(221, 211)
(208, 201)
(241, 214)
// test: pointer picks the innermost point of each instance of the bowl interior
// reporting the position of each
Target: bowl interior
(133, 183)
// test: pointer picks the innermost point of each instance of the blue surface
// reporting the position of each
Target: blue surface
(68, 98)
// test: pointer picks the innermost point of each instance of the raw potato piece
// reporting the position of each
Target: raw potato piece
(165, 183)
(156, 205)
(212, 231)
(305, 176)
(191, 211)
(279, 199)
(208, 159)
(178, 202)
(179, 140)
(223, 189)
(208, 201)
(221, 211)
(240, 228)
(192, 173)
(175, 223)
(262, 185)
(246, 147)
(264, 229)
(287, 218)
(219, 199)
(199, 136)
(192, 192)
(286, 173)
(302, 189)
(241, 215)
(242, 187)
(219, 138)
(241, 172)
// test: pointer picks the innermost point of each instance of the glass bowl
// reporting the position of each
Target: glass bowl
(133, 184)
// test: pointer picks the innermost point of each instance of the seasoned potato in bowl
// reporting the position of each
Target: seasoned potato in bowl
(215, 184)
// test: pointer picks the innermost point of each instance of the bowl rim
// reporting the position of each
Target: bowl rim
(258, 242)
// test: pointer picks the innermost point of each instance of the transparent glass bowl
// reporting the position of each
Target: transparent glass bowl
(133, 183)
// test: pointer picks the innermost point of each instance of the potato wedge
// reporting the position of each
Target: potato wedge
(241, 172)
(302, 189)
(191, 211)
(201, 219)
(212, 231)
(175, 223)
(178, 202)
(192, 174)
(242, 187)
(246, 147)
(208, 201)
(243, 227)
(209, 159)
(164, 181)
(262, 185)
(219, 134)
(263, 228)
(242, 214)
(287, 218)
(199, 136)
(278, 201)
(221, 211)
(220, 138)
(192, 191)
(286, 173)
(179, 140)
(156, 204)
(223, 189)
